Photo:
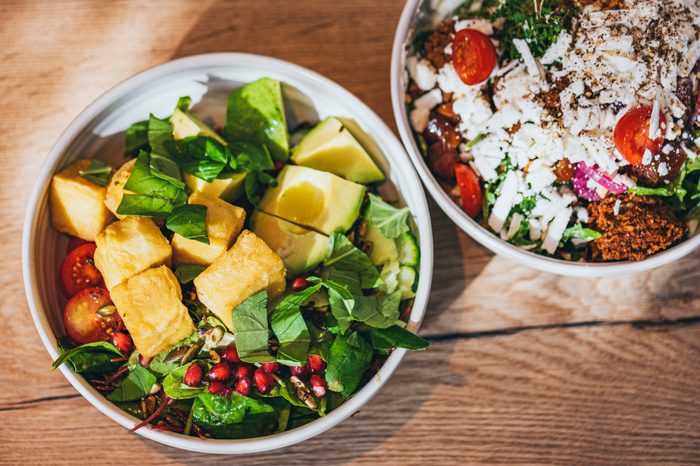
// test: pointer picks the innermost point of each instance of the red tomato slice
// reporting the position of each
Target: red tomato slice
(74, 242)
(470, 189)
(78, 270)
(82, 321)
(473, 56)
(631, 135)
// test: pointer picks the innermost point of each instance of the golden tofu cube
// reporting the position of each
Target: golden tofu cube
(224, 223)
(128, 247)
(150, 304)
(248, 267)
(77, 205)
(115, 187)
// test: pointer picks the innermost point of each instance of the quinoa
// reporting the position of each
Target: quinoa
(643, 225)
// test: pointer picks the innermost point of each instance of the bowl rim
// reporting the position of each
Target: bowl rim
(469, 225)
(420, 214)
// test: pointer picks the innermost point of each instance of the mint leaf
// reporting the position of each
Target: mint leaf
(251, 329)
(98, 172)
(396, 337)
(349, 357)
(185, 273)
(390, 221)
(190, 221)
(135, 386)
(344, 256)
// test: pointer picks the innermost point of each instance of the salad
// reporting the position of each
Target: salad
(233, 282)
(567, 128)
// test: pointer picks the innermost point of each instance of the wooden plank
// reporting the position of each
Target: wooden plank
(567, 396)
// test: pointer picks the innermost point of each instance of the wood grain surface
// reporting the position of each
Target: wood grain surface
(524, 367)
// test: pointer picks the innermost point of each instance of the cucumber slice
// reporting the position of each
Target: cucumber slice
(390, 275)
(383, 249)
(408, 281)
(409, 252)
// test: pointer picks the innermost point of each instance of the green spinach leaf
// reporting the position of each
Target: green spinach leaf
(579, 232)
(350, 356)
(166, 169)
(202, 156)
(190, 221)
(135, 386)
(174, 383)
(98, 172)
(344, 256)
(145, 205)
(396, 337)
(183, 103)
(250, 157)
(290, 328)
(87, 348)
(390, 221)
(185, 273)
(143, 181)
(137, 137)
(251, 329)
(378, 311)
(236, 416)
(160, 133)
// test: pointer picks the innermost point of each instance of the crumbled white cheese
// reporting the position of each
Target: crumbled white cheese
(429, 99)
(529, 60)
(647, 157)
(654, 130)
(556, 230)
(556, 51)
(425, 76)
(515, 221)
(582, 214)
(663, 169)
(616, 207)
(419, 119)
(504, 202)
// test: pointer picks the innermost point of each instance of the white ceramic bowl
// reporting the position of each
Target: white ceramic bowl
(98, 131)
(415, 16)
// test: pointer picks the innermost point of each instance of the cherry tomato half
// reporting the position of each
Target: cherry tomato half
(90, 316)
(78, 270)
(74, 242)
(473, 56)
(631, 134)
(470, 189)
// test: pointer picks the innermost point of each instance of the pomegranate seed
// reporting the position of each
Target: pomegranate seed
(220, 372)
(264, 382)
(218, 388)
(230, 354)
(123, 342)
(270, 367)
(300, 283)
(193, 375)
(243, 371)
(318, 385)
(243, 386)
(299, 371)
(316, 364)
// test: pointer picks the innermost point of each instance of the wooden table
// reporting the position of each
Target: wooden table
(524, 367)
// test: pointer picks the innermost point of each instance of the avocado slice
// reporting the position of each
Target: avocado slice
(185, 125)
(383, 249)
(330, 147)
(255, 113)
(301, 249)
(318, 200)
(228, 189)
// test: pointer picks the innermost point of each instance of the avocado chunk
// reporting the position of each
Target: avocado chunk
(185, 125)
(318, 200)
(229, 189)
(301, 249)
(331, 147)
(255, 113)
(383, 249)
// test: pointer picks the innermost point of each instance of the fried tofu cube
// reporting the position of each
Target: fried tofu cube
(128, 247)
(224, 223)
(115, 187)
(77, 205)
(248, 267)
(150, 304)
